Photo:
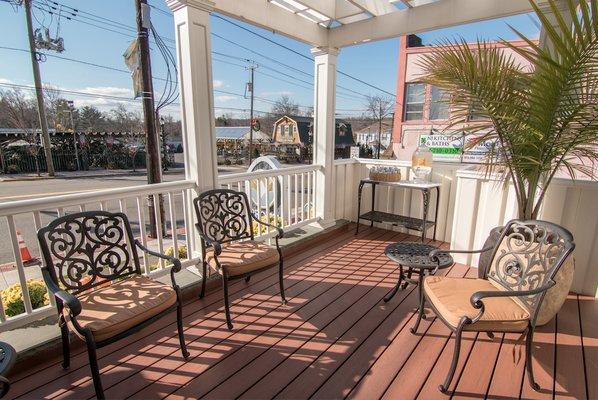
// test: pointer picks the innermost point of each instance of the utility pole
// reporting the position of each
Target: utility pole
(154, 174)
(41, 110)
(251, 87)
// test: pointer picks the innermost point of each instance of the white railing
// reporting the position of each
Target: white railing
(285, 197)
(23, 219)
(282, 197)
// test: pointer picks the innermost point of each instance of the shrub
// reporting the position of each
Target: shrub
(273, 219)
(12, 297)
(182, 252)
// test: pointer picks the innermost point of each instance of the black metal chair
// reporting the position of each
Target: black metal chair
(7, 360)
(91, 266)
(225, 226)
(508, 297)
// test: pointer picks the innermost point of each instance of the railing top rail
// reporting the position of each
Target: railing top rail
(231, 178)
(51, 202)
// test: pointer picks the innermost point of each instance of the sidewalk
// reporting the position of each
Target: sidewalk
(98, 173)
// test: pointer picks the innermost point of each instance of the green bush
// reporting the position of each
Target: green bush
(12, 297)
(182, 252)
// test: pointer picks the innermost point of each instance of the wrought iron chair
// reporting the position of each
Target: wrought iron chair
(91, 266)
(507, 298)
(225, 226)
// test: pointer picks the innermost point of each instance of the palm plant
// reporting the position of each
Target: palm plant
(541, 121)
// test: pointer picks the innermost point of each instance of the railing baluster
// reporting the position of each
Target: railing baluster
(309, 203)
(82, 207)
(276, 205)
(288, 202)
(141, 216)
(173, 225)
(122, 206)
(302, 197)
(259, 201)
(296, 191)
(267, 186)
(157, 217)
(188, 225)
(37, 222)
(12, 230)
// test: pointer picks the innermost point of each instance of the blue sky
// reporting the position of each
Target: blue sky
(374, 62)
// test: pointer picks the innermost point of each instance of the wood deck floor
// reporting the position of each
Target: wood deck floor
(335, 339)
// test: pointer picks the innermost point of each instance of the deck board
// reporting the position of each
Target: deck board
(335, 339)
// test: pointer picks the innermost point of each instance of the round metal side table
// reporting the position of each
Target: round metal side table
(414, 258)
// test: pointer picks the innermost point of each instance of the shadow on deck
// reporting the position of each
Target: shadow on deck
(334, 339)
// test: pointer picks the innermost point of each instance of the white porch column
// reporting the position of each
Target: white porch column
(323, 131)
(194, 56)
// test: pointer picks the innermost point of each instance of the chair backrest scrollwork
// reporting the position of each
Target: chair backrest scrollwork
(527, 256)
(223, 215)
(85, 249)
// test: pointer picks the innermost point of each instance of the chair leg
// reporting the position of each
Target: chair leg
(93, 365)
(247, 278)
(280, 282)
(66, 346)
(203, 280)
(420, 312)
(449, 377)
(179, 322)
(226, 303)
(528, 359)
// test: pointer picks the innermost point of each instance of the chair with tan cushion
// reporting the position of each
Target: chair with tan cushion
(225, 226)
(92, 269)
(508, 296)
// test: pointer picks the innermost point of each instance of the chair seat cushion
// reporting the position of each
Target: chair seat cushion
(242, 257)
(451, 298)
(112, 309)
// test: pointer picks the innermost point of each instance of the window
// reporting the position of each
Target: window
(439, 104)
(414, 101)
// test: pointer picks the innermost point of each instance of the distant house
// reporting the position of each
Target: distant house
(292, 135)
(369, 135)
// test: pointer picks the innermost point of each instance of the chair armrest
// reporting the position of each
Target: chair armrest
(210, 242)
(176, 263)
(278, 229)
(476, 298)
(68, 300)
(434, 253)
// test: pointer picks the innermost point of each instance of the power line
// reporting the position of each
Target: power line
(223, 54)
(111, 97)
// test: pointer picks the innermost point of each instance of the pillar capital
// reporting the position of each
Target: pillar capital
(204, 5)
(322, 51)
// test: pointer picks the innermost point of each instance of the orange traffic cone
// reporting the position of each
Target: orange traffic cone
(25, 255)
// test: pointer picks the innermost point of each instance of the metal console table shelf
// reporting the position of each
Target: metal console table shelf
(417, 224)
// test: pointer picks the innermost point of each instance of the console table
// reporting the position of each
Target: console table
(413, 223)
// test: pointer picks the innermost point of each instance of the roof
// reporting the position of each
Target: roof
(239, 133)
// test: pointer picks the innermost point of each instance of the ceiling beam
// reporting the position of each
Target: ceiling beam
(273, 18)
(374, 7)
(440, 14)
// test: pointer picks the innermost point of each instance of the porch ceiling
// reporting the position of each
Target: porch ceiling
(340, 23)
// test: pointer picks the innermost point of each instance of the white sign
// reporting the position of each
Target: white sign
(354, 152)
(449, 148)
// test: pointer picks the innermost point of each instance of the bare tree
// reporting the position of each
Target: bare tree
(20, 113)
(378, 108)
(285, 106)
